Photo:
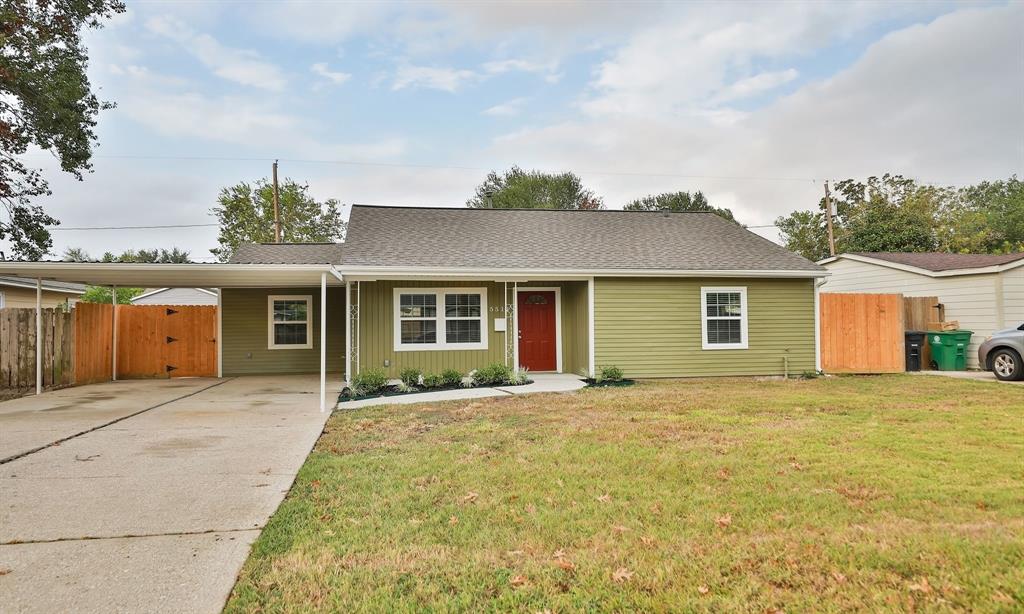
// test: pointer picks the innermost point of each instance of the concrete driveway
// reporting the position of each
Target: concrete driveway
(156, 511)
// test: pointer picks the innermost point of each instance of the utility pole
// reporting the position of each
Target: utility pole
(828, 222)
(276, 206)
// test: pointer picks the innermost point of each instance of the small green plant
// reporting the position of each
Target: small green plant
(495, 374)
(410, 377)
(520, 377)
(433, 380)
(370, 381)
(610, 373)
(810, 375)
(451, 377)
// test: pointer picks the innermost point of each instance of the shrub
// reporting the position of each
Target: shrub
(495, 374)
(433, 380)
(451, 377)
(610, 373)
(370, 381)
(410, 377)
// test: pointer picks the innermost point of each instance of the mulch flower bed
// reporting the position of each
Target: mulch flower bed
(393, 390)
(620, 383)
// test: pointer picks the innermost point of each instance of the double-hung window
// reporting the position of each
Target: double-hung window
(290, 322)
(723, 320)
(440, 319)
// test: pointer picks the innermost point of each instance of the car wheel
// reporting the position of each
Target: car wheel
(1007, 365)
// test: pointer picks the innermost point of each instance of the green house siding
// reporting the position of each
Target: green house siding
(651, 327)
(244, 330)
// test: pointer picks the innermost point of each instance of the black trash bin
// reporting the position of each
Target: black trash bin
(913, 343)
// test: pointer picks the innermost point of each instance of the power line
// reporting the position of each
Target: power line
(128, 227)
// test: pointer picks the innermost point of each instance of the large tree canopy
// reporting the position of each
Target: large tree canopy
(677, 201)
(895, 214)
(519, 189)
(46, 101)
(246, 215)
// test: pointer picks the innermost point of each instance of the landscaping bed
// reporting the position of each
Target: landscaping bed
(373, 383)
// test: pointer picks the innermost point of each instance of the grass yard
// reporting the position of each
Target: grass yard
(882, 493)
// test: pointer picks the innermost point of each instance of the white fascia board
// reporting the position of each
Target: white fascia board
(31, 285)
(372, 273)
(927, 273)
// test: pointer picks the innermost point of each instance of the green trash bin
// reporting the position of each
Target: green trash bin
(949, 349)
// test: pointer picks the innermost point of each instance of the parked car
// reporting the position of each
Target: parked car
(1002, 354)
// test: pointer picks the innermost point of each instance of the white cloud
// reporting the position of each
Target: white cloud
(507, 108)
(758, 84)
(329, 76)
(444, 79)
(238, 65)
(911, 104)
(548, 70)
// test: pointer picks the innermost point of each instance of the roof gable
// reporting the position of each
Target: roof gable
(936, 263)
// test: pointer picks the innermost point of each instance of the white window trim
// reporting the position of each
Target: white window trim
(441, 344)
(558, 319)
(270, 321)
(704, 291)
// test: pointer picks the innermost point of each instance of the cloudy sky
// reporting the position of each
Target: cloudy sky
(411, 103)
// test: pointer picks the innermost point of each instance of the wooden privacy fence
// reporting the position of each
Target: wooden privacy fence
(18, 349)
(864, 333)
(153, 341)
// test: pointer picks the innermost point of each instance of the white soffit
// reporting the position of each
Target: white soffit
(174, 275)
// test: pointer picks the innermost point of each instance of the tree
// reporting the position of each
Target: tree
(804, 232)
(45, 101)
(677, 201)
(519, 189)
(246, 215)
(987, 217)
(101, 294)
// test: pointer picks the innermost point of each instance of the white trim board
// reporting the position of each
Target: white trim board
(492, 274)
(744, 317)
(558, 320)
(926, 272)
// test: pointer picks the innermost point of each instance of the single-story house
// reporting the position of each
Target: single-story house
(21, 292)
(657, 294)
(983, 292)
(176, 296)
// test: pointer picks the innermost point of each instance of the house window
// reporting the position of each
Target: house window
(723, 318)
(290, 322)
(440, 319)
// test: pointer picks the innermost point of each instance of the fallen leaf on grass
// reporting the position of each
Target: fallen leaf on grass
(453, 520)
(647, 540)
(703, 589)
(619, 529)
(470, 497)
(1001, 597)
(796, 465)
(514, 553)
(566, 564)
(838, 577)
(621, 575)
(517, 580)
(531, 508)
(559, 554)
(723, 474)
(605, 498)
(921, 587)
(724, 521)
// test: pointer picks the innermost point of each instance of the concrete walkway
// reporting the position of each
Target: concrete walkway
(155, 512)
(981, 376)
(542, 382)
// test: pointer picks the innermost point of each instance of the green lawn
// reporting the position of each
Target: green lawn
(857, 493)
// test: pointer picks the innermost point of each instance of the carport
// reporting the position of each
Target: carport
(212, 275)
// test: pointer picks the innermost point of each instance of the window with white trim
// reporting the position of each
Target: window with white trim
(290, 322)
(440, 319)
(723, 321)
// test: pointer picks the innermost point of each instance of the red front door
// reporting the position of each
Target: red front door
(538, 350)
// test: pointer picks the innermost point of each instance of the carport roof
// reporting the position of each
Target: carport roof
(144, 275)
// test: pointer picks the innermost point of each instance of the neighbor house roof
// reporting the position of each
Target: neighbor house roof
(51, 286)
(544, 239)
(940, 263)
(287, 253)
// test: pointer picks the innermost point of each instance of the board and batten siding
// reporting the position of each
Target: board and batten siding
(651, 327)
(972, 300)
(244, 325)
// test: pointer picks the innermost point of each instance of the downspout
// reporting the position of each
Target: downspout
(39, 336)
(818, 283)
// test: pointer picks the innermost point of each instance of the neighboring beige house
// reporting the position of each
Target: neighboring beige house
(21, 292)
(176, 296)
(984, 292)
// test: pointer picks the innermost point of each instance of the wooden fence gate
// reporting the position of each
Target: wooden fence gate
(862, 333)
(152, 341)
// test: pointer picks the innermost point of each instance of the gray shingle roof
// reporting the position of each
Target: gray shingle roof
(556, 239)
(287, 253)
(938, 261)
